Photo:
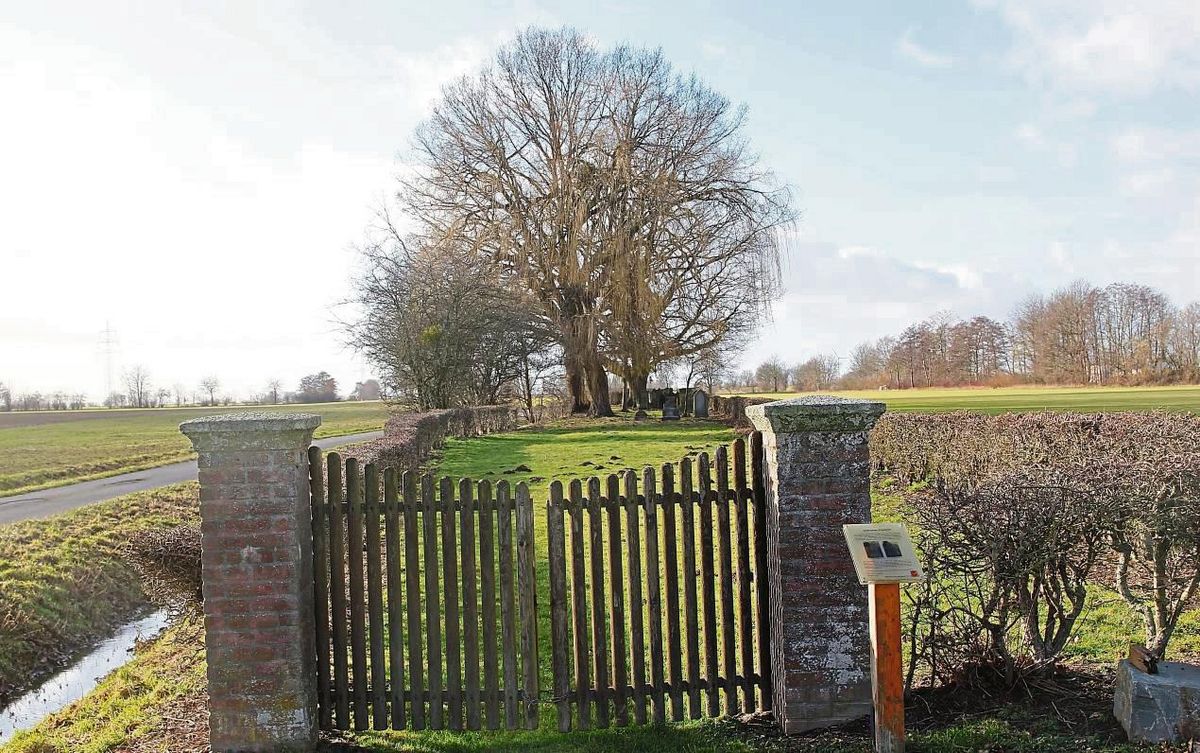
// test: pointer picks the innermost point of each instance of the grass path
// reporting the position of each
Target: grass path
(1014, 399)
(54, 448)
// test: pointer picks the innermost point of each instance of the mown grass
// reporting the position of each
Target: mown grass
(574, 449)
(64, 583)
(577, 448)
(1017, 399)
(67, 447)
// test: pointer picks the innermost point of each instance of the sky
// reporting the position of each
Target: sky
(195, 176)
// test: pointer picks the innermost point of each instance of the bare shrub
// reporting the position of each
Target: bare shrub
(168, 561)
(1011, 563)
(1138, 472)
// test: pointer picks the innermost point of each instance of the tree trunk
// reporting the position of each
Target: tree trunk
(576, 381)
(598, 387)
(640, 391)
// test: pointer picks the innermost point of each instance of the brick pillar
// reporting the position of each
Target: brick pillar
(256, 553)
(818, 477)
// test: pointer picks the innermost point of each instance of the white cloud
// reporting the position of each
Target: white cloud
(1140, 144)
(1035, 139)
(1110, 46)
(713, 50)
(1031, 136)
(838, 296)
(911, 49)
(1148, 183)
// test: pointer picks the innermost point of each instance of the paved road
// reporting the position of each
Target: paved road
(47, 502)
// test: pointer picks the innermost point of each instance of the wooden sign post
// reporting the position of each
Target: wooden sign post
(884, 558)
(887, 677)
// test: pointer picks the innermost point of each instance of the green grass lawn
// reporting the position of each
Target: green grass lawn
(578, 448)
(39, 450)
(139, 704)
(1015, 399)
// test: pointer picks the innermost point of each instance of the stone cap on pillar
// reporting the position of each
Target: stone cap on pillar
(815, 413)
(234, 431)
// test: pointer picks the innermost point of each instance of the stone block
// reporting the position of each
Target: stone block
(1158, 708)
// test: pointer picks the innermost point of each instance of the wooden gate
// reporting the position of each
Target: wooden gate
(426, 596)
(400, 559)
(622, 649)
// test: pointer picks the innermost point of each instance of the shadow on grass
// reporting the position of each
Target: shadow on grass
(692, 737)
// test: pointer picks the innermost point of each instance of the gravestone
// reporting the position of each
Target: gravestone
(670, 408)
(700, 404)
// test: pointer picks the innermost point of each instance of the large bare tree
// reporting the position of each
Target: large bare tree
(619, 194)
(688, 213)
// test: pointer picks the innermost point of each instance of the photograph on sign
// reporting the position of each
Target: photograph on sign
(882, 553)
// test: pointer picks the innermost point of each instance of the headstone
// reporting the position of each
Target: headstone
(1159, 708)
(670, 409)
(700, 404)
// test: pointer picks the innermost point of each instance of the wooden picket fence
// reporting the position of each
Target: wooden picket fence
(426, 596)
(369, 594)
(620, 650)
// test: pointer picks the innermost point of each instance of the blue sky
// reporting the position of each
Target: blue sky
(196, 177)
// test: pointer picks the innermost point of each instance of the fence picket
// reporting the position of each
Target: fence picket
(579, 608)
(708, 586)
(688, 513)
(671, 566)
(358, 620)
(745, 613)
(527, 602)
(337, 589)
(320, 531)
(378, 665)
(728, 632)
(617, 587)
(599, 639)
(470, 593)
(761, 581)
(487, 592)
(637, 645)
(654, 596)
(558, 604)
(391, 513)
(450, 590)
(508, 621)
(433, 607)
(412, 587)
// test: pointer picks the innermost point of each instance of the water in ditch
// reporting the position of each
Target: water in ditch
(77, 680)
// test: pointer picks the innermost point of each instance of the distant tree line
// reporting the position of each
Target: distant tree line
(1081, 334)
(572, 213)
(140, 392)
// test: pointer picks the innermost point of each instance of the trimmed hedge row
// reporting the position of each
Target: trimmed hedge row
(409, 438)
(1017, 515)
(733, 409)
